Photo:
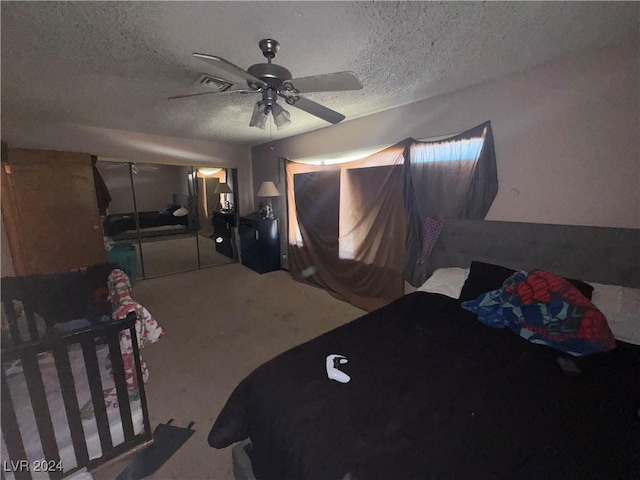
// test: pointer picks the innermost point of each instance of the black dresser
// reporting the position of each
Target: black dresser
(223, 224)
(259, 243)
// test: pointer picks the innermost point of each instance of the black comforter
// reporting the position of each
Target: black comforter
(122, 222)
(436, 394)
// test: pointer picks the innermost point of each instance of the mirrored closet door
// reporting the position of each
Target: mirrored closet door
(166, 219)
(164, 199)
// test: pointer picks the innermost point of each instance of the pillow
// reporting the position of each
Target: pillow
(482, 278)
(546, 309)
(169, 209)
(621, 308)
(181, 212)
(446, 281)
(486, 276)
(608, 299)
(627, 324)
(583, 287)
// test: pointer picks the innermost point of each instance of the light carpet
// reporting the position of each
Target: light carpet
(169, 255)
(221, 323)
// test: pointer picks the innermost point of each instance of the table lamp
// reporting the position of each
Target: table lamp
(268, 190)
(224, 189)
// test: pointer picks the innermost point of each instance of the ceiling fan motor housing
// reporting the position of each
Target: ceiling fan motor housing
(269, 47)
(270, 73)
(269, 96)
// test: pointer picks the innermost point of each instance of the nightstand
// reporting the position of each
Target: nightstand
(259, 243)
(223, 224)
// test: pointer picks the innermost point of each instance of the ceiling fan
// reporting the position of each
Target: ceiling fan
(273, 81)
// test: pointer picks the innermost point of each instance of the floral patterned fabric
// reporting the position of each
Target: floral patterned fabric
(147, 331)
(545, 308)
(147, 328)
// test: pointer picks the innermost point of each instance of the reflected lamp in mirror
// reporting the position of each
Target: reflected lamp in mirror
(224, 190)
(268, 190)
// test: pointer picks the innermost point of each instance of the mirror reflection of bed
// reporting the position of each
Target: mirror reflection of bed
(172, 231)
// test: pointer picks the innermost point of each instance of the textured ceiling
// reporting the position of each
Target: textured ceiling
(112, 64)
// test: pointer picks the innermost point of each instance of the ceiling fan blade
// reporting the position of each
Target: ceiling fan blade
(330, 82)
(232, 69)
(209, 93)
(190, 95)
(314, 108)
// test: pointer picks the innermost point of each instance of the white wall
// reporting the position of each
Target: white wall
(138, 147)
(566, 137)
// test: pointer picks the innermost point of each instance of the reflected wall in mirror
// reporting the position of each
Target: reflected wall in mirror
(217, 199)
(149, 218)
(165, 219)
(166, 207)
(119, 225)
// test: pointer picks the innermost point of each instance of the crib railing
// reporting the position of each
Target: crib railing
(58, 343)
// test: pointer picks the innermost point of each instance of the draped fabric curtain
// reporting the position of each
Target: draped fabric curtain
(359, 229)
(347, 227)
(455, 178)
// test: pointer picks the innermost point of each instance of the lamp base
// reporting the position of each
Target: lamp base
(268, 210)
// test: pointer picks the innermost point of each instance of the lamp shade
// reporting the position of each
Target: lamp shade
(281, 117)
(268, 189)
(223, 188)
(259, 116)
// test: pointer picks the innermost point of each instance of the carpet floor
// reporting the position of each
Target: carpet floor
(170, 255)
(221, 323)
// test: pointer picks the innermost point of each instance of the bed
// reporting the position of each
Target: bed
(65, 400)
(123, 226)
(434, 393)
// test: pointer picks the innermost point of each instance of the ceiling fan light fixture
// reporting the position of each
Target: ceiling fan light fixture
(281, 117)
(259, 116)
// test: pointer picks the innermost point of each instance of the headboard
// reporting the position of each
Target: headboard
(596, 254)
